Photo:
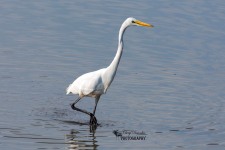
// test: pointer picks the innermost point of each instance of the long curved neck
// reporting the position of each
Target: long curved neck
(112, 68)
(114, 64)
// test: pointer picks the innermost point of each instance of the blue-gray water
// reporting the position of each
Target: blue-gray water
(170, 83)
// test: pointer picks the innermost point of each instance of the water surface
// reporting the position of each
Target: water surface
(170, 83)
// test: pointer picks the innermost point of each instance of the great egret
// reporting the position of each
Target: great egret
(94, 84)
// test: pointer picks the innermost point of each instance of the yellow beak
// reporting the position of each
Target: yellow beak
(140, 23)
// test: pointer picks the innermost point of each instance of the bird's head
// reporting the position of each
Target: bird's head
(134, 22)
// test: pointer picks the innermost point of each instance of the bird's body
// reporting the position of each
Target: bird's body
(90, 84)
(96, 83)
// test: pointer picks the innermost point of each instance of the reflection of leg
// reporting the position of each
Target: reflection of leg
(78, 109)
(93, 120)
(93, 128)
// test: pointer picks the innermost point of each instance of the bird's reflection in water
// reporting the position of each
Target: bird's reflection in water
(82, 139)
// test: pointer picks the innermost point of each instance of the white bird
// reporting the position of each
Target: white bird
(96, 83)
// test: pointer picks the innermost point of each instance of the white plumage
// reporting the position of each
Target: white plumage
(89, 84)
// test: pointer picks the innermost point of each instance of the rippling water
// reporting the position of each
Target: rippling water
(170, 83)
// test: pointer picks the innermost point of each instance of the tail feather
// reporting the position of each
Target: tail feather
(68, 90)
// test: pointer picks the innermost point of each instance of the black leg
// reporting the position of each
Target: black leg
(93, 120)
(96, 103)
(78, 109)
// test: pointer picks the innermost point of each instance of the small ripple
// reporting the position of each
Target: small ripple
(6, 77)
(213, 144)
(31, 137)
(104, 123)
(212, 129)
(174, 130)
(158, 132)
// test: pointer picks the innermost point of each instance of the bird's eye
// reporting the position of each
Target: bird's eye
(133, 21)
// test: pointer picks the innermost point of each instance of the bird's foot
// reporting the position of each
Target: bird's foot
(93, 120)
